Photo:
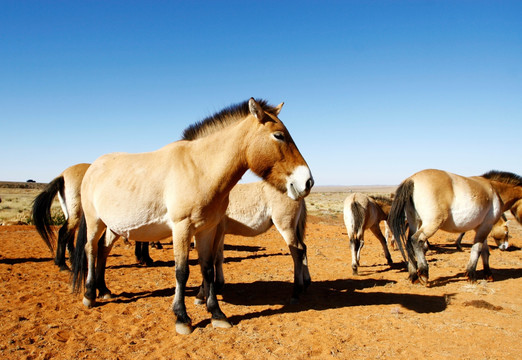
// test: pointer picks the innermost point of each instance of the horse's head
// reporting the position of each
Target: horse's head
(273, 155)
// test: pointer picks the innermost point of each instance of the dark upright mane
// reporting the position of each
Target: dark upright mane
(222, 119)
(504, 177)
(384, 199)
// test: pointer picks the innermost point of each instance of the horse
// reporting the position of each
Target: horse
(363, 212)
(434, 199)
(252, 209)
(182, 190)
(499, 233)
(67, 186)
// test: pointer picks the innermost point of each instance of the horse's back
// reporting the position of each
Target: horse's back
(457, 202)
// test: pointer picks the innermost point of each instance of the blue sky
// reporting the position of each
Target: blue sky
(374, 90)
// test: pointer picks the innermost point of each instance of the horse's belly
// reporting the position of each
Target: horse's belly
(141, 231)
(151, 232)
(248, 225)
(464, 219)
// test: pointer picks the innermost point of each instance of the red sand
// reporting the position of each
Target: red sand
(377, 314)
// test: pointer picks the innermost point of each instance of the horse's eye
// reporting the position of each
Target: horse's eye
(279, 136)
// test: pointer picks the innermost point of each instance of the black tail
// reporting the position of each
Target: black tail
(79, 260)
(358, 218)
(397, 217)
(42, 211)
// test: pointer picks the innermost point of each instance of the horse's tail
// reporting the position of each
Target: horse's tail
(79, 259)
(301, 224)
(358, 214)
(397, 217)
(42, 211)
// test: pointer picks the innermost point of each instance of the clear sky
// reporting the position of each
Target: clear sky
(374, 90)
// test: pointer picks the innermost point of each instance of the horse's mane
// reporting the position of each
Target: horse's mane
(504, 177)
(222, 119)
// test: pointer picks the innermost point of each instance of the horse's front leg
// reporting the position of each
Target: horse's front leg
(298, 251)
(181, 236)
(206, 254)
(219, 256)
(376, 230)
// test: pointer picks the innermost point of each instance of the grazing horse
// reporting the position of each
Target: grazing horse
(182, 190)
(67, 186)
(434, 199)
(499, 233)
(252, 209)
(363, 212)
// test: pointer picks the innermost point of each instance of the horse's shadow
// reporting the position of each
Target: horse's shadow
(244, 248)
(15, 261)
(498, 275)
(322, 295)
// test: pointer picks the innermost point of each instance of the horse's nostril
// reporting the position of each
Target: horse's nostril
(309, 184)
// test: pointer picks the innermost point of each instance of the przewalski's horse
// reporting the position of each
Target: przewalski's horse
(499, 233)
(435, 199)
(252, 209)
(67, 186)
(363, 212)
(182, 190)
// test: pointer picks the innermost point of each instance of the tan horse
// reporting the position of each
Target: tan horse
(499, 233)
(252, 209)
(362, 212)
(435, 199)
(182, 190)
(67, 186)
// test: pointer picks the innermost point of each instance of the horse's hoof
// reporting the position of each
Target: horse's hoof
(89, 303)
(221, 323)
(183, 329)
(107, 296)
(199, 301)
(489, 278)
(472, 277)
(423, 280)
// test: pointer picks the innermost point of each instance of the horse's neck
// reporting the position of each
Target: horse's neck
(509, 194)
(222, 156)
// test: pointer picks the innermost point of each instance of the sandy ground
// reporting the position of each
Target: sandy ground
(377, 315)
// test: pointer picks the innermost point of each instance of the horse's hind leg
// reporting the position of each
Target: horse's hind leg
(459, 241)
(418, 246)
(355, 245)
(376, 230)
(104, 248)
(141, 251)
(218, 254)
(65, 236)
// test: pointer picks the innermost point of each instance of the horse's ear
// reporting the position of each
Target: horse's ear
(256, 109)
(278, 108)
